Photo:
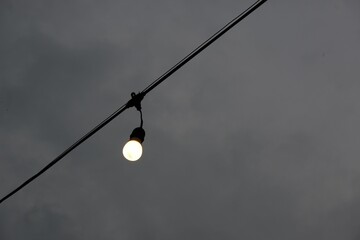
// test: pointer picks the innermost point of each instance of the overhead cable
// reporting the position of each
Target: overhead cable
(137, 98)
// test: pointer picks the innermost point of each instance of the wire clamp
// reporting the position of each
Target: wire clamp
(135, 101)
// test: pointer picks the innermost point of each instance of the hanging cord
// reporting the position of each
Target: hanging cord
(136, 102)
(141, 118)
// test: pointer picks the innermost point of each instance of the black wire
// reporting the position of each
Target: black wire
(141, 119)
(204, 45)
(130, 103)
(67, 151)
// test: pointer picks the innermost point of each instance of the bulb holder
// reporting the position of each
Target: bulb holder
(138, 134)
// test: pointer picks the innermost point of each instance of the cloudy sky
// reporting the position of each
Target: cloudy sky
(257, 138)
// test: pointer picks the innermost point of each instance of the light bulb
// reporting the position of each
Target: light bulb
(132, 150)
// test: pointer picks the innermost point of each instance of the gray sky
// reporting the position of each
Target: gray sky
(256, 138)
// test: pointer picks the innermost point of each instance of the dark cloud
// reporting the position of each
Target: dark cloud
(256, 138)
(32, 222)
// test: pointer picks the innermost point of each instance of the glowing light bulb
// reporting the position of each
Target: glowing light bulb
(132, 150)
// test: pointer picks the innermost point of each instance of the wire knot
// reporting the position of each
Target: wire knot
(135, 101)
